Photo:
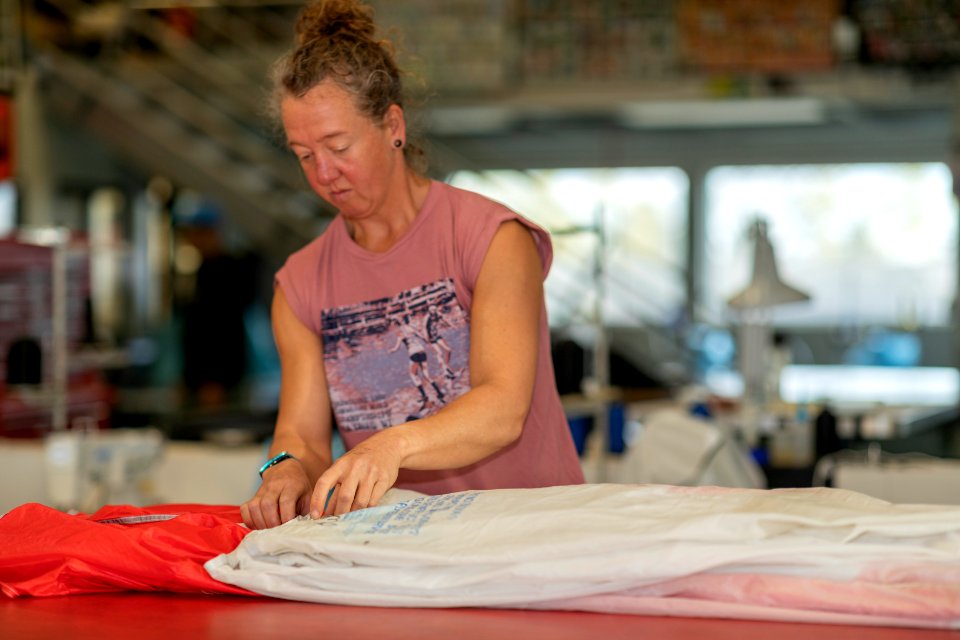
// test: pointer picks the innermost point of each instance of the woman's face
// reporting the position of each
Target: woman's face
(349, 160)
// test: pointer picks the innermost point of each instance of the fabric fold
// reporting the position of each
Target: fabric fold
(45, 552)
(817, 554)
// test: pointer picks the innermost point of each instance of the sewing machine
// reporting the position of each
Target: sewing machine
(85, 469)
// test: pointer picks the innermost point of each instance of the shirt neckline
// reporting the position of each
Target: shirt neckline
(425, 210)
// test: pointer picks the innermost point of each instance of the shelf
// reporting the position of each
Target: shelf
(695, 101)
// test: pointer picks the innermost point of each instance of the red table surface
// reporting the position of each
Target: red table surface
(144, 616)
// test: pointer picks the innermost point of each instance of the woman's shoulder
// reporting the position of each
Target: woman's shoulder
(477, 218)
(462, 201)
(299, 273)
(299, 277)
(480, 210)
(472, 215)
(311, 252)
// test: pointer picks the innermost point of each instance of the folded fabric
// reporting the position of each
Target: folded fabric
(799, 554)
(45, 552)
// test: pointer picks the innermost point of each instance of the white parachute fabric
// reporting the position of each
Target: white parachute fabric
(803, 554)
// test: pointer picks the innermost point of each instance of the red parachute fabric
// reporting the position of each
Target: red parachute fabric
(45, 552)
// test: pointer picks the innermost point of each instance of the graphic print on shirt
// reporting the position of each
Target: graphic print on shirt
(396, 359)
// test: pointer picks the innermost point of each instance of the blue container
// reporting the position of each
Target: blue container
(616, 417)
(580, 428)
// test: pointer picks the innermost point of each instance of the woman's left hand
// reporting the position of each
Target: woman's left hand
(359, 478)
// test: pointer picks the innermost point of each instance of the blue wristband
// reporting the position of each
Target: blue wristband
(277, 459)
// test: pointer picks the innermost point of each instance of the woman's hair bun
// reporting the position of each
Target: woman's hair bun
(335, 18)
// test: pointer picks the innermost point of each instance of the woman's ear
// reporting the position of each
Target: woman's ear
(395, 123)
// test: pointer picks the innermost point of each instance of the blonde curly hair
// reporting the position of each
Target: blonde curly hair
(337, 40)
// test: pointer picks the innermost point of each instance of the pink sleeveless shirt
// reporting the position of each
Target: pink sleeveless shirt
(396, 337)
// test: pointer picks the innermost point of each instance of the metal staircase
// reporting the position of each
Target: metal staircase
(192, 113)
(10, 51)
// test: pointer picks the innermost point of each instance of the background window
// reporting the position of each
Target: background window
(628, 224)
(873, 244)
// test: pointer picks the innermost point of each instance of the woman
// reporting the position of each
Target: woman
(400, 244)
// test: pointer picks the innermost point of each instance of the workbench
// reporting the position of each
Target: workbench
(166, 616)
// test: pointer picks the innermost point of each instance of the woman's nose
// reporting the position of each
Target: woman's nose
(326, 172)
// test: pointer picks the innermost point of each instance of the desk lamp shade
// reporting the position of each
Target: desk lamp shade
(766, 289)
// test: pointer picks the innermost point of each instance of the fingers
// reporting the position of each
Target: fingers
(322, 493)
(333, 493)
(356, 481)
(303, 505)
(342, 498)
(378, 491)
(251, 517)
(363, 495)
(269, 508)
(336, 495)
(255, 513)
(288, 506)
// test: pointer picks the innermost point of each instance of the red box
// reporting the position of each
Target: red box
(757, 35)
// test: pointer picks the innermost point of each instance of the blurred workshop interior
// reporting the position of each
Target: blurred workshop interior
(752, 204)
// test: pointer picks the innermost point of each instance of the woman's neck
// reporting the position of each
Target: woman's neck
(379, 233)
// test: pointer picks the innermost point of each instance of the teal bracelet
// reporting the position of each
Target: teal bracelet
(277, 459)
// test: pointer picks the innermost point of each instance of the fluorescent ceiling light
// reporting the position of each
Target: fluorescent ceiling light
(763, 112)
(470, 120)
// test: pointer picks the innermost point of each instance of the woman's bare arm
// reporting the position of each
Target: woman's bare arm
(504, 335)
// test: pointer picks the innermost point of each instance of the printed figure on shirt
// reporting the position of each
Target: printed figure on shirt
(384, 378)
(419, 369)
(433, 325)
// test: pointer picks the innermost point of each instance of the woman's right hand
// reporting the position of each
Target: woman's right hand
(304, 424)
(283, 495)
